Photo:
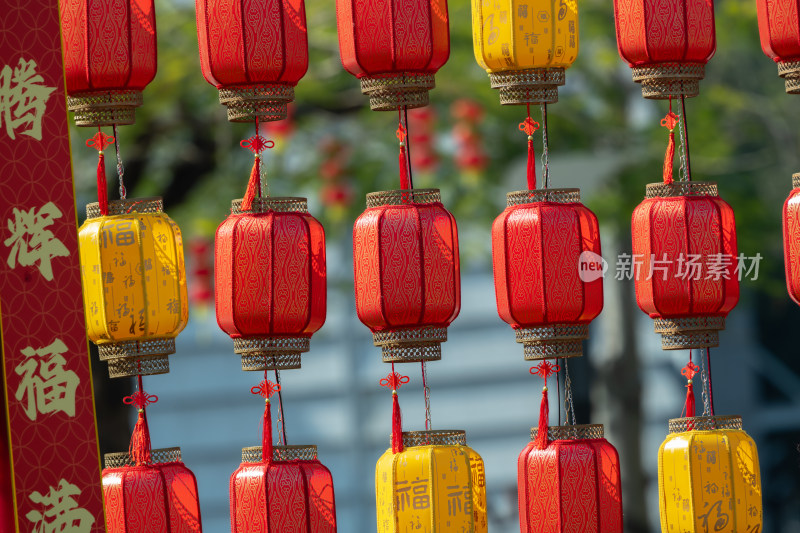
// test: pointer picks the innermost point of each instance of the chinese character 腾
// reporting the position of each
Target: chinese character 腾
(23, 98)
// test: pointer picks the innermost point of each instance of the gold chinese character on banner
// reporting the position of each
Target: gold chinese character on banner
(46, 386)
(23, 97)
(31, 242)
(59, 512)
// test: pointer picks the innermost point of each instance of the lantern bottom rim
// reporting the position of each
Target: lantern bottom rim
(128, 367)
(105, 108)
(528, 86)
(690, 332)
(136, 348)
(266, 101)
(790, 72)
(395, 90)
(554, 341)
(411, 345)
(271, 353)
(661, 81)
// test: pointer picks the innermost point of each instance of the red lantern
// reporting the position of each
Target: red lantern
(109, 58)
(538, 244)
(667, 43)
(685, 262)
(291, 492)
(779, 28)
(394, 47)
(407, 277)
(254, 52)
(270, 281)
(572, 484)
(791, 239)
(158, 497)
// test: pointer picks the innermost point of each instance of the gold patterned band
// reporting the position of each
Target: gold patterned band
(389, 92)
(689, 333)
(561, 196)
(790, 72)
(553, 342)
(266, 101)
(795, 181)
(157, 456)
(681, 188)
(403, 197)
(529, 86)
(105, 108)
(271, 353)
(281, 204)
(439, 437)
(572, 432)
(665, 80)
(153, 204)
(704, 423)
(254, 454)
(411, 345)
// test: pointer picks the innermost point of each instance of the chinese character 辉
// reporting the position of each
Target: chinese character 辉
(31, 242)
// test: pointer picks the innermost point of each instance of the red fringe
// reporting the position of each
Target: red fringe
(252, 186)
(541, 441)
(102, 188)
(669, 158)
(266, 437)
(397, 426)
(139, 448)
(531, 166)
(690, 406)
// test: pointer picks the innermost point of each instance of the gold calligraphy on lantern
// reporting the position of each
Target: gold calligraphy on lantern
(46, 386)
(58, 512)
(31, 242)
(23, 98)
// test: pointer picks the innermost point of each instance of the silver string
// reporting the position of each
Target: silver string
(545, 148)
(123, 193)
(568, 395)
(427, 392)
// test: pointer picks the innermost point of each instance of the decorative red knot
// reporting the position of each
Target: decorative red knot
(528, 126)
(401, 133)
(266, 388)
(140, 399)
(670, 121)
(256, 144)
(394, 381)
(100, 141)
(690, 370)
(544, 369)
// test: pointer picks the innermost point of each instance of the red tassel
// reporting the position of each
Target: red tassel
(397, 425)
(266, 437)
(252, 185)
(541, 441)
(102, 189)
(669, 158)
(403, 167)
(531, 165)
(690, 407)
(139, 448)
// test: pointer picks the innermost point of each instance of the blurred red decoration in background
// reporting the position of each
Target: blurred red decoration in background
(201, 271)
(685, 270)
(270, 281)
(394, 47)
(666, 42)
(421, 138)
(540, 244)
(779, 28)
(254, 52)
(470, 156)
(407, 274)
(109, 58)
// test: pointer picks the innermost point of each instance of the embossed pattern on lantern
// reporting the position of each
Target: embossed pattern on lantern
(779, 30)
(791, 240)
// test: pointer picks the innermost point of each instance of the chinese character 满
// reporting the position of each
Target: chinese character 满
(46, 386)
(58, 512)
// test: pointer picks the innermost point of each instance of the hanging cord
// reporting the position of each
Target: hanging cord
(427, 394)
(140, 446)
(281, 422)
(685, 163)
(99, 142)
(669, 122)
(394, 381)
(545, 148)
(710, 389)
(570, 414)
(255, 184)
(558, 389)
(123, 192)
(408, 149)
(689, 371)
(528, 127)
(265, 389)
(404, 158)
(704, 389)
(544, 370)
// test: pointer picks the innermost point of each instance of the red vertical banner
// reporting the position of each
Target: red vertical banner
(49, 408)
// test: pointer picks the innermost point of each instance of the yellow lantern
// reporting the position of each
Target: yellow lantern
(525, 46)
(708, 477)
(134, 285)
(436, 484)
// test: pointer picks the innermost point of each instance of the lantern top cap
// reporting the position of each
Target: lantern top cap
(561, 196)
(280, 204)
(795, 180)
(572, 432)
(253, 454)
(403, 197)
(127, 206)
(157, 456)
(440, 437)
(704, 423)
(681, 188)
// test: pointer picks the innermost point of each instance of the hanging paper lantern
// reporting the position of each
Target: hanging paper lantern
(573, 484)
(539, 244)
(437, 480)
(254, 52)
(685, 261)
(407, 277)
(667, 44)
(791, 239)
(270, 280)
(394, 48)
(134, 285)
(708, 477)
(157, 497)
(109, 58)
(779, 28)
(291, 492)
(524, 48)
